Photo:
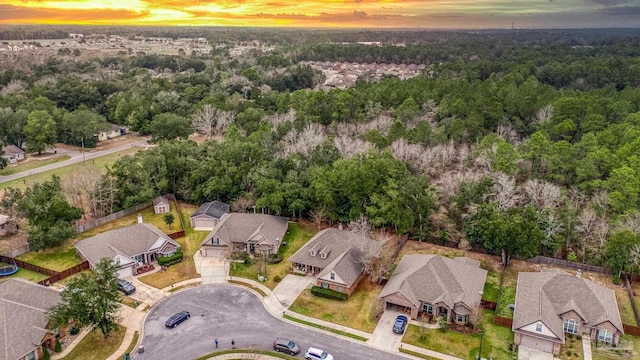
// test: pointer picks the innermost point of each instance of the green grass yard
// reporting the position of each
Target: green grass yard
(57, 259)
(508, 294)
(27, 275)
(31, 164)
(94, 346)
(491, 286)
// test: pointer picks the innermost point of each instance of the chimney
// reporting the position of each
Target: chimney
(579, 273)
(139, 218)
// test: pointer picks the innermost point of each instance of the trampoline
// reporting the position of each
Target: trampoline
(6, 270)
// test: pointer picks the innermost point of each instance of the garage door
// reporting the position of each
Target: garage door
(204, 223)
(537, 344)
(124, 272)
(214, 253)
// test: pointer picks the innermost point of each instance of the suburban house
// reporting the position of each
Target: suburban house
(114, 131)
(7, 226)
(208, 215)
(551, 303)
(13, 154)
(161, 205)
(130, 247)
(245, 232)
(333, 256)
(436, 286)
(24, 328)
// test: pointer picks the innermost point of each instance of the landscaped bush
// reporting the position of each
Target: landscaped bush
(74, 330)
(45, 354)
(274, 259)
(328, 293)
(170, 260)
(58, 347)
(277, 278)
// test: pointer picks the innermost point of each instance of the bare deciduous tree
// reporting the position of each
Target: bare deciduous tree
(349, 147)
(303, 142)
(631, 222)
(241, 204)
(544, 114)
(504, 191)
(317, 216)
(542, 195)
(210, 121)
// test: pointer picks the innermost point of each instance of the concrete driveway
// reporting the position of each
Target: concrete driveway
(212, 269)
(145, 293)
(383, 336)
(289, 288)
(525, 353)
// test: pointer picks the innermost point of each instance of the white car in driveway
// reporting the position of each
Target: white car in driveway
(317, 354)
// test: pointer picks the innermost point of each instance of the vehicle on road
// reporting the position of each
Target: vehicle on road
(286, 346)
(317, 354)
(400, 324)
(177, 318)
(126, 287)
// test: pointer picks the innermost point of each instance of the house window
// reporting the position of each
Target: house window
(539, 326)
(31, 355)
(605, 335)
(170, 254)
(428, 308)
(325, 285)
(339, 289)
(461, 318)
(333, 276)
(571, 326)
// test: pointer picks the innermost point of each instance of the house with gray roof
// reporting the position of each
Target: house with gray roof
(24, 328)
(436, 286)
(245, 232)
(208, 215)
(161, 205)
(13, 154)
(552, 302)
(334, 257)
(130, 247)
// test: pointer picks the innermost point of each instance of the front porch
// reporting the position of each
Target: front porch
(305, 269)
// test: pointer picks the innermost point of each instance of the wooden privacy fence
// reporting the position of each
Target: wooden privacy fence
(65, 273)
(177, 234)
(502, 321)
(27, 266)
(631, 330)
(116, 215)
(569, 264)
(489, 305)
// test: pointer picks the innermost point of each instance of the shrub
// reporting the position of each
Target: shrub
(58, 347)
(277, 278)
(274, 259)
(328, 293)
(579, 337)
(170, 260)
(45, 354)
(572, 257)
(74, 330)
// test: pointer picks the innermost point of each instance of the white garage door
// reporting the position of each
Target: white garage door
(124, 272)
(204, 223)
(537, 344)
(214, 253)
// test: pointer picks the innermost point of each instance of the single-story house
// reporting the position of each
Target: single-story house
(161, 205)
(208, 215)
(24, 328)
(114, 131)
(333, 257)
(552, 302)
(436, 286)
(130, 247)
(13, 154)
(7, 226)
(245, 232)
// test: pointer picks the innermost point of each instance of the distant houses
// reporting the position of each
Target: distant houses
(13, 154)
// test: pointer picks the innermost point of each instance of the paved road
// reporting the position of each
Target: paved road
(76, 157)
(229, 312)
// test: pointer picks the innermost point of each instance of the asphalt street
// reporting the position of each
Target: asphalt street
(226, 313)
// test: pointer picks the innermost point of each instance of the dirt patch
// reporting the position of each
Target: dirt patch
(11, 242)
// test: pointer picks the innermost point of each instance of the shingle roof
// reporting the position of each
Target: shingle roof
(127, 241)
(12, 150)
(215, 209)
(160, 199)
(346, 266)
(433, 279)
(544, 296)
(243, 227)
(23, 307)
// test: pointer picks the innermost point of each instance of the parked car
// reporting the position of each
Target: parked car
(286, 345)
(400, 324)
(317, 354)
(126, 287)
(177, 318)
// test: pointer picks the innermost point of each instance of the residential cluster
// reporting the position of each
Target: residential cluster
(343, 75)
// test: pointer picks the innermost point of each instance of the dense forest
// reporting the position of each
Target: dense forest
(516, 142)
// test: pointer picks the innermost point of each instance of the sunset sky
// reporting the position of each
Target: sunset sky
(328, 13)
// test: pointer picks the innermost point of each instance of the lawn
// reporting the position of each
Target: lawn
(357, 312)
(94, 346)
(624, 306)
(31, 164)
(297, 235)
(491, 286)
(508, 294)
(495, 340)
(57, 259)
(27, 275)
(100, 163)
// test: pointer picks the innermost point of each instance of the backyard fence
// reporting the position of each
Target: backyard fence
(116, 215)
(489, 305)
(25, 265)
(177, 234)
(569, 264)
(65, 273)
(502, 321)
(631, 330)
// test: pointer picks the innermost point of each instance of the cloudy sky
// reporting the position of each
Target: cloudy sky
(424, 14)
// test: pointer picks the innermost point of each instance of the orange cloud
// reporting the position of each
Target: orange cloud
(19, 15)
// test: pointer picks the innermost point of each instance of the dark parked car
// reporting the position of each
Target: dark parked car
(126, 287)
(286, 345)
(400, 324)
(177, 318)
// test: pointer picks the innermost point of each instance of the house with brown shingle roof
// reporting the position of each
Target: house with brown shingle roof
(128, 247)
(24, 328)
(435, 286)
(552, 302)
(333, 257)
(245, 232)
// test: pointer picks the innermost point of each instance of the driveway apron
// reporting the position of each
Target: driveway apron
(525, 353)
(289, 288)
(383, 336)
(214, 270)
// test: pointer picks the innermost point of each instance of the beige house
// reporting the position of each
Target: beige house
(114, 131)
(161, 205)
(436, 286)
(130, 247)
(24, 329)
(333, 257)
(13, 154)
(551, 303)
(208, 215)
(245, 232)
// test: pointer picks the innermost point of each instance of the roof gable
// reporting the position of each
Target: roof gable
(160, 200)
(346, 267)
(215, 209)
(244, 227)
